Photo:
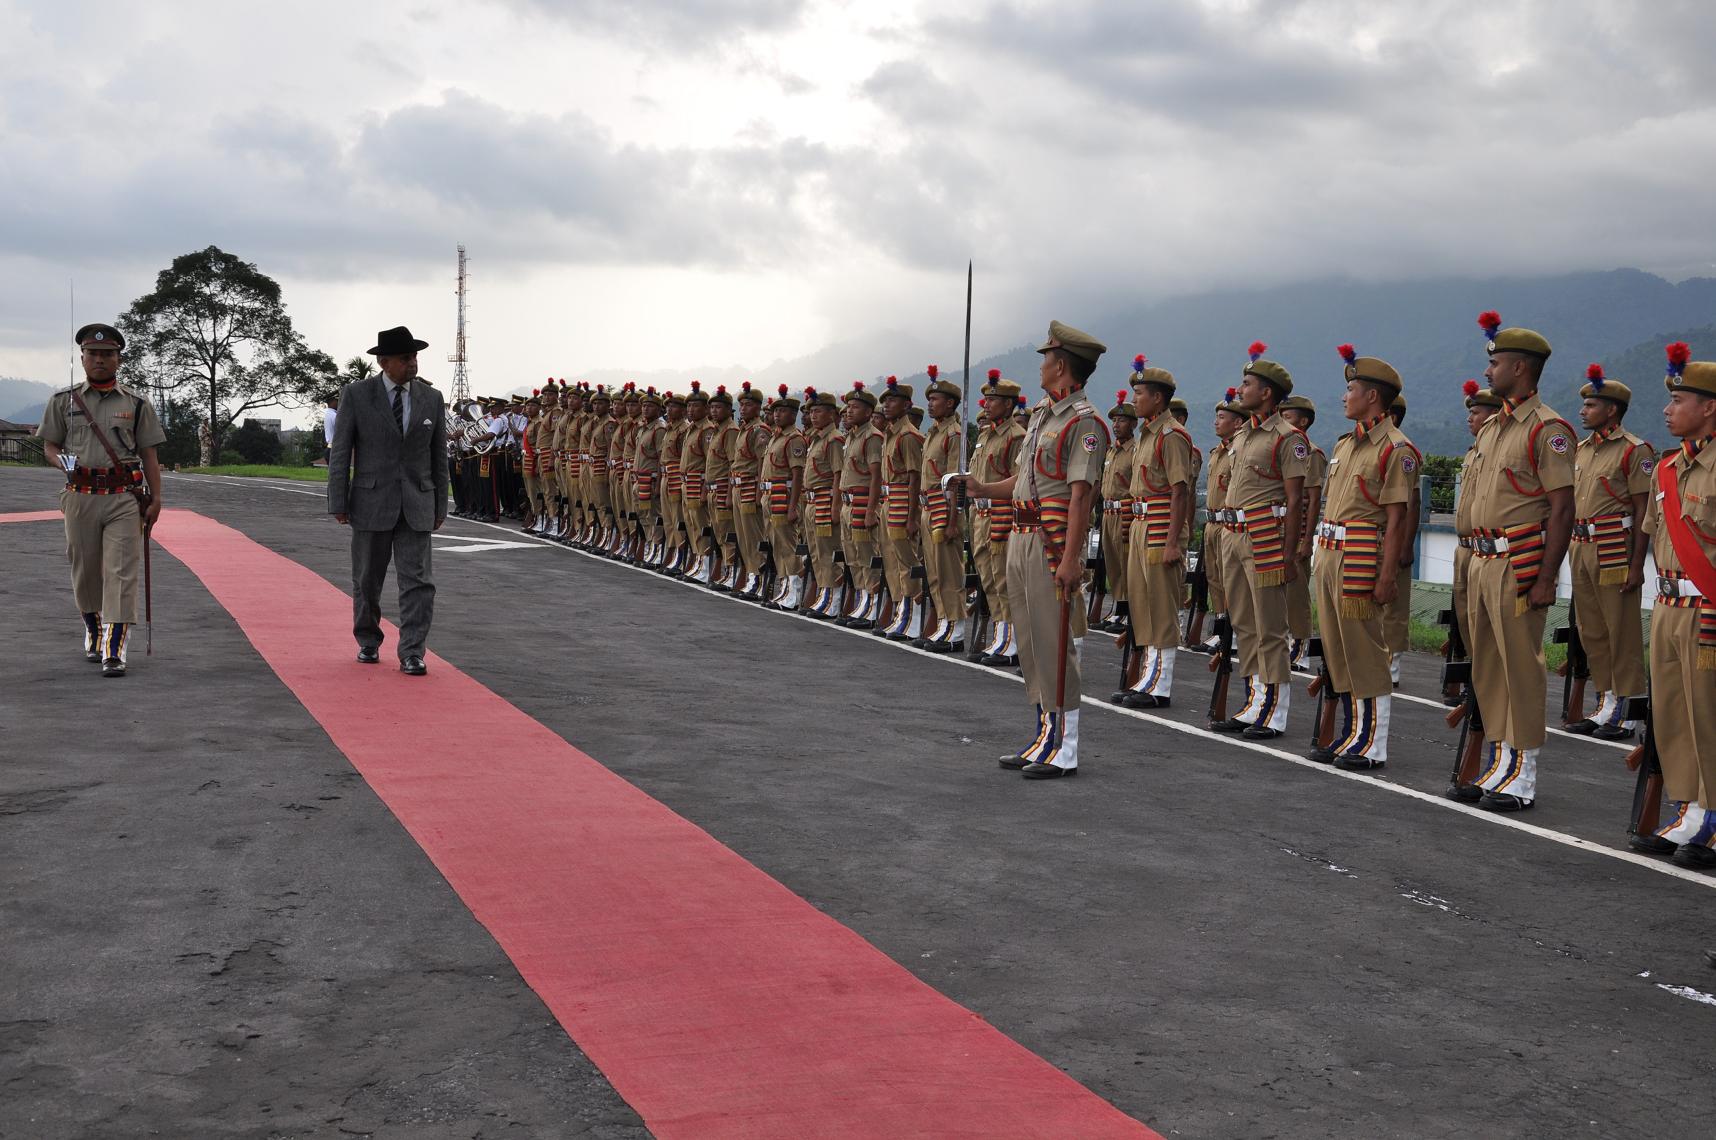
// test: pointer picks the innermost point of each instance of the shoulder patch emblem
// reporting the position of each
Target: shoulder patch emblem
(1408, 463)
(1647, 465)
(1558, 444)
(1090, 443)
(1301, 449)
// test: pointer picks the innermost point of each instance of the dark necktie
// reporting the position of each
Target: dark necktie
(399, 407)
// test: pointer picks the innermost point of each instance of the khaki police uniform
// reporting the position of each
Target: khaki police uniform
(902, 459)
(860, 516)
(824, 454)
(940, 529)
(718, 479)
(1116, 503)
(1215, 499)
(1610, 467)
(783, 478)
(996, 460)
(1161, 460)
(103, 520)
(1299, 625)
(746, 446)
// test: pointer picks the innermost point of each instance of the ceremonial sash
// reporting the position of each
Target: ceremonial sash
(646, 486)
(1361, 555)
(1158, 513)
(723, 498)
(822, 510)
(675, 480)
(1694, 562)
(1524, 554)
(940, 514)
(598, 467)
(898, 498)
(1268, 549)
(1054, 513)
(858, 503)
(1000, 520)
(745, 487)
(694, 486)
(1610, 533)
(483, 468)
(780, 496)
(529, 465)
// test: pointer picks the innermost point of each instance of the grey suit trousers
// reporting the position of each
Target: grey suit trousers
(408, 550)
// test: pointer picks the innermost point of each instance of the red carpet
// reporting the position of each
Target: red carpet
(718, 1003)
(31, 516)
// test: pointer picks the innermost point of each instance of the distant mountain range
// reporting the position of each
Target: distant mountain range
(22, 401)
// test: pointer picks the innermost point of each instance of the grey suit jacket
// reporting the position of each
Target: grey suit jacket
(389, 475)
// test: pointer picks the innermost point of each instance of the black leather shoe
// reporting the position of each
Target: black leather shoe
(1144, 701)
(1694, 855)
(413, 666)
(1503, 802)
(999, 660)
(1231, 724)
(113, 667)
(93, 656)
(1321, 755)
(1464, 793)
(369, 656)
(945, 646)
(1650, 845)
(1581, 727)
(1357, 763)
(1613, 732)
(1014, 762)
(1261, 732)
(1047, 772)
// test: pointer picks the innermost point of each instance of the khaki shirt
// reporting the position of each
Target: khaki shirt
(647, 440)
(1697, 503)
(1266, 454)
(823, 453)
(1608, 470)
(746, 446)
(786, 451)
(126, 418)
(1463, 508)
(1065, 442)
(1221, 464)
(1161, 458)
(1521, 454)
(863, 452)
(902, 452)
(718, 462)
(1374, 467)
(942, 449)
(997, 454)
(1117, 470)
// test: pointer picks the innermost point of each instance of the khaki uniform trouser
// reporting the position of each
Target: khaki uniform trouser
(1116, 529)
(1397, 618)
(784, 537)
(899, 558)
(104, 542)
(1037, 622)
(1214, 552)
(1258, 613)
(747, 532)
(859, 547)
(1154, 592)
(532, 490)
(990, 558)
(620, 498)
(944, 568)
(599, 503)
(822, 548)
(1299, 602)
(695, 514)
(1507, 656)
(721, 545)
(671, 515)
(1462, 566)
(1610, 627)
(1683, 706)
(1355, 650)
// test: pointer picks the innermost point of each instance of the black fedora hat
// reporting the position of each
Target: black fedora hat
(396, 342)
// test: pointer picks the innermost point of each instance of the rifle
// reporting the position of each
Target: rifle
(1468, 753)
(977, 617)
(1097, 564)
(1322, 687)
(1575, 671)
(1647, 793)
(1198, 582)
(1456, 663)
(1221, 664)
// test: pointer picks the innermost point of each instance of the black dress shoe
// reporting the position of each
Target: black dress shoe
(1581, 727)
(1321, 755)
(1231, 724)
(945, 646)
(1357, 763)
(1013, 762)
(1503, 802)
(113, 667)
(1261, 732)
(1464, 793)
(1145, 701)
(413, 666)
(1613, 732)
(1047, 772)
(998, 660)
(1694, 855)
(1651, 845)
(369, 656)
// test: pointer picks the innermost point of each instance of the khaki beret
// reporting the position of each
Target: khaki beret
(676, 398)
(1080, 344)
(99, 336)
(1160, 376)
(1498, 339)
(1477, 396)
(1600, 387)
(938, 386)
(917, 415)
(1123, 406)
(1005, 389)
(1298, 404)
(1371, 368)
(1687, 375)
(815, 399)
(1267, 369)
(722, 396)
(697, 395)
(860, 394)
(784, 399)
(1178, 405)
(895, 388)
(1231, 403)
(749, 393)
(1399, 404)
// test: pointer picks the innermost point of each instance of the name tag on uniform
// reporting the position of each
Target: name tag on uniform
(428, 423)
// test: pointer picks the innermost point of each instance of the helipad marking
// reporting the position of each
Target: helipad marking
(717, 1002)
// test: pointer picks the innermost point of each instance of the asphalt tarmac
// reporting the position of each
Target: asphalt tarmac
(211, 927)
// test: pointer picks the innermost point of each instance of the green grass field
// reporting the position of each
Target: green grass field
(259, 471)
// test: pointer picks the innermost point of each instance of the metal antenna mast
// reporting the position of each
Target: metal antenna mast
(461, 381)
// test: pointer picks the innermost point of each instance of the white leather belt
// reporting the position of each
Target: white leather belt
(1677, 588)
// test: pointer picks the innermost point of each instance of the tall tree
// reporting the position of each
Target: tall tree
(358, 368)
(216, 331)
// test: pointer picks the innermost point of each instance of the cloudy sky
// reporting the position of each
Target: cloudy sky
(688, 183)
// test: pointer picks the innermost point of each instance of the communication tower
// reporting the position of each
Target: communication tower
(461, 381)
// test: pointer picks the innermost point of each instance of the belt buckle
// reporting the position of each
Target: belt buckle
(1668, 587)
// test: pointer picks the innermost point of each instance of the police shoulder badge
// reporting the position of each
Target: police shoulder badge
(1090, 442)
(1558, 444)
(1301, 449)
(1408, 463)
(1647, 464)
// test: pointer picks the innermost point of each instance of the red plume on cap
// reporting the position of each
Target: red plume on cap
(1594, 373)
(697, 385)
(1471, 388)
(857, 385)
(994, 375)
(933, 371)
(1138, 362)
(782, 390)
(810, 393)
(720, 389)
(1348, 352)
(1257, 349)
(1120, 396)
(536, 391)
(1489, 320)
(893, 381)
(1232, 394)
(1678, 354)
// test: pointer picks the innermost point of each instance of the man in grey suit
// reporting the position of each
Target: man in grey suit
(387, 479)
